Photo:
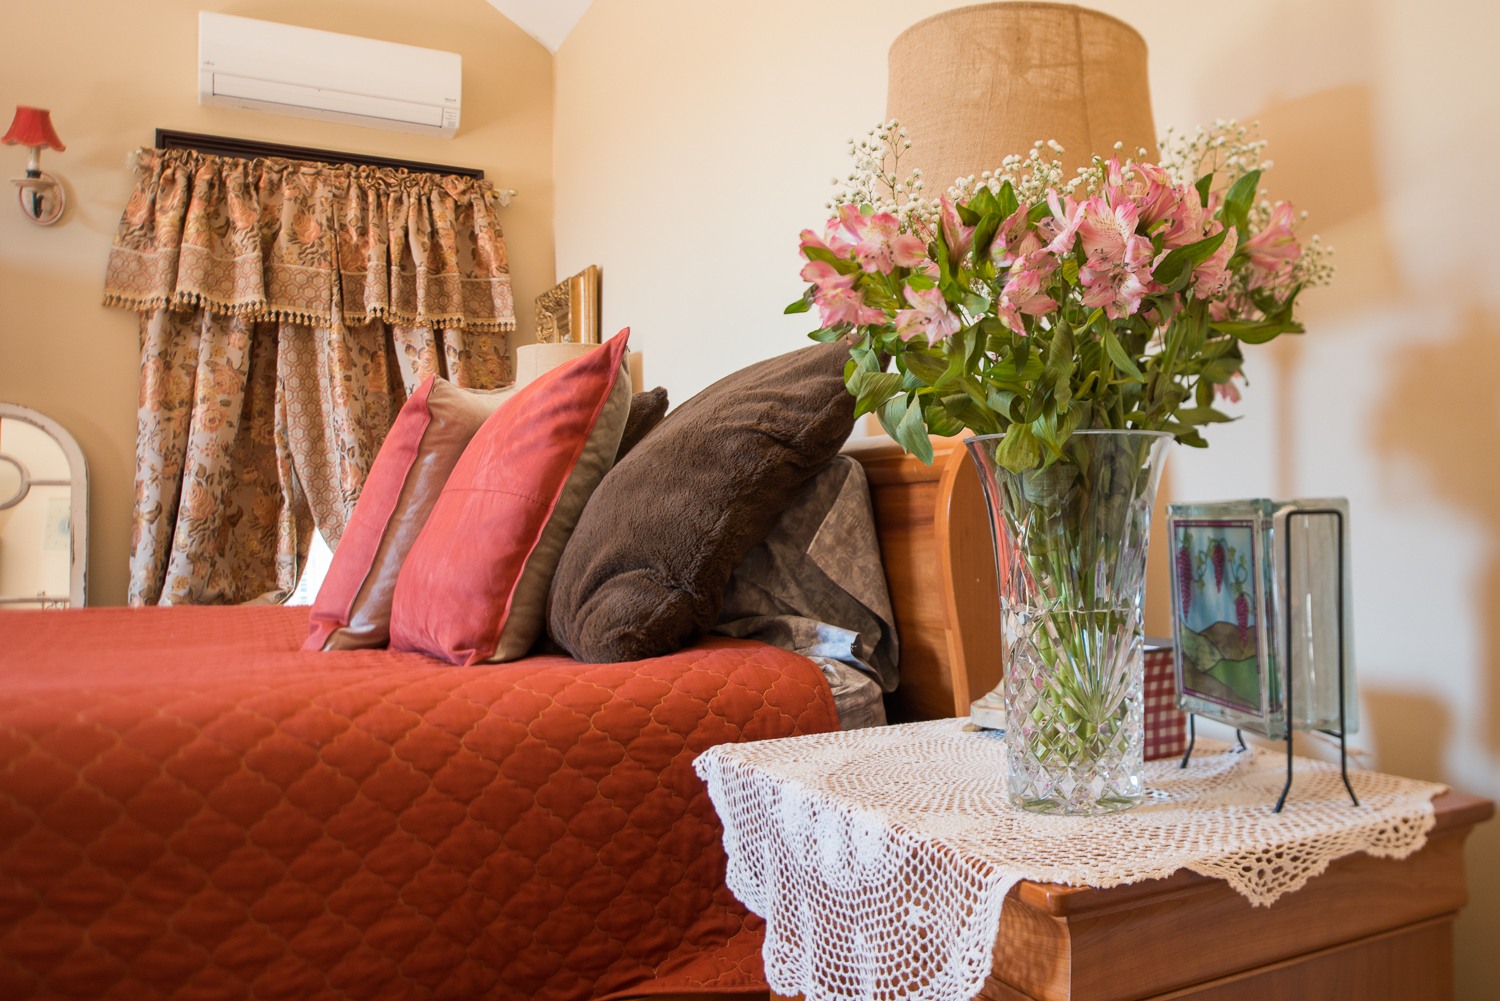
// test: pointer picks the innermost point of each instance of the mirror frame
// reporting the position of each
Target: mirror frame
(78, 506)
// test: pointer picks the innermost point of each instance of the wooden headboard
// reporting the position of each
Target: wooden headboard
(940, 568)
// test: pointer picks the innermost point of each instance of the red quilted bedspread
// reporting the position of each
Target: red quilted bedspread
(190, 807)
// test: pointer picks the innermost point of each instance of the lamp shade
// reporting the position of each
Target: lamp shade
(974, 85)
(33, 127)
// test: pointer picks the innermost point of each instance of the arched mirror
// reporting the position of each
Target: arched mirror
(44, 491)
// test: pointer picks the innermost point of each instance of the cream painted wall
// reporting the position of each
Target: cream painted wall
(694, 140)
(113, 72)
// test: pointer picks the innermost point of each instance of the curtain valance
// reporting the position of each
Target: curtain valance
(307, 242)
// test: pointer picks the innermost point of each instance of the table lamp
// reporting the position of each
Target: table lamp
(973, 85)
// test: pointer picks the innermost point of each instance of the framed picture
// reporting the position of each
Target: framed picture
(568, 312)
(1262, 613)
(1221, 615)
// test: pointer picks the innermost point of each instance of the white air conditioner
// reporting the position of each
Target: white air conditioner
(285, 70)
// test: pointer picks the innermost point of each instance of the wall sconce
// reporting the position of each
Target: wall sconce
(41, 194)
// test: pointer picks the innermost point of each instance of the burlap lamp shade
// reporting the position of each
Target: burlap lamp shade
(976, 84)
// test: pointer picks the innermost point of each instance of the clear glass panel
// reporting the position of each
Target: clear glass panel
(1312, 607)
(35, 534)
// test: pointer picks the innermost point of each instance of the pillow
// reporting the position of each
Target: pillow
(645, 572)
(353, 608)
(646, 411)
(474, 586)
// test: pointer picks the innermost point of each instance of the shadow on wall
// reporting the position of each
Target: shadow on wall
(1323, 148)
(1454, 380)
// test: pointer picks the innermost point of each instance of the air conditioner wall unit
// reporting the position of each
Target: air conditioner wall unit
(306, 73)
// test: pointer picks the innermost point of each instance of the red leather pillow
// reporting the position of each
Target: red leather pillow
(353, 607)
(474, 586)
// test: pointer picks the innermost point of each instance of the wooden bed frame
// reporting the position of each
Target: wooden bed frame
(940, 567)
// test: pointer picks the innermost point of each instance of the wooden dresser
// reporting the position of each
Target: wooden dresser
(1367, 929)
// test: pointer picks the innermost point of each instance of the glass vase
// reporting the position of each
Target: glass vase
(1070, 550)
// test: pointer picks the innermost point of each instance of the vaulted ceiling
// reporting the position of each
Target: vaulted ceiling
(548, 21)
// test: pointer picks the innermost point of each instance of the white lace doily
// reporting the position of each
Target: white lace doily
(879, 858)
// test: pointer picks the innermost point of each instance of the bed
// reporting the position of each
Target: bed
(192, 807)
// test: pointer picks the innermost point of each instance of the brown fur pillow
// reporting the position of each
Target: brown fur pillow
(645, 571)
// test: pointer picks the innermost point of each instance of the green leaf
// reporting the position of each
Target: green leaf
(963, 409)
(944, 261)
(999, 401)
(1202, 415)
(1253, 331)
(1237, 203)
(984, 233)
(968, 216)
(803, 304)
(1185, 259)
(1018, 450)
(983, 202)
(871, 389)
(1047, 488)
(1005, 201)
(1204, 183)
(1058, 372)
(1038, 212)
(842, 265)
(958, 356)
(1121, 360)
(911, 431)
(892, 411)
(937, 419)
(1070, 271)
(924, 367)
(920, 282)
(826, 334)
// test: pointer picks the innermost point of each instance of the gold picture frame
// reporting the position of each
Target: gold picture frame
(568, 312)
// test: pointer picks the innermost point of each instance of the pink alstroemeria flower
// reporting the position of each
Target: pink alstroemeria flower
(1108, 234)
(1274, 247)
(826, 276)
(1061, 226)
(1150, 188)
(846, 305)
(1119, 286)
(958, 236)
(1014, 239)
(830, 241)
(929, 316)
(1024, 291)
(881, 242)
(1188, 222)
(1211, 278)
(1228, 390)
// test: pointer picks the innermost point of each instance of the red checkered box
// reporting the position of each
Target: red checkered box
(1166, 725)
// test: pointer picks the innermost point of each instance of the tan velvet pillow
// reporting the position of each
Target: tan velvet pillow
(353, 607)
(474, 587)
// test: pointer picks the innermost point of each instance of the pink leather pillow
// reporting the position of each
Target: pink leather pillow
(474, 586)
(353, 607)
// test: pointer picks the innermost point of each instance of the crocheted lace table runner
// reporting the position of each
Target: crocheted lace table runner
(879, 858)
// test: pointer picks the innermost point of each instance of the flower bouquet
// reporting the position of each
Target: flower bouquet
(1075, 326)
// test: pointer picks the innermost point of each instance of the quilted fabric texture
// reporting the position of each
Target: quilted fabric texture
(191, 807)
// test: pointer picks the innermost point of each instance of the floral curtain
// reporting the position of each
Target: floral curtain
(287, 309)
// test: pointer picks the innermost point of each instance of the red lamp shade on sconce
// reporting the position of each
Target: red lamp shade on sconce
(41, 195)
(32, 127)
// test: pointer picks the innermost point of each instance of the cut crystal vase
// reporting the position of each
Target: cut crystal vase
(1070, 550)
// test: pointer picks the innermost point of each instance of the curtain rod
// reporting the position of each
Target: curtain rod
(251, 148)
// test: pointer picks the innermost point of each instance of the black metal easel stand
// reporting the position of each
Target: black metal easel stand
(1342, 733)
